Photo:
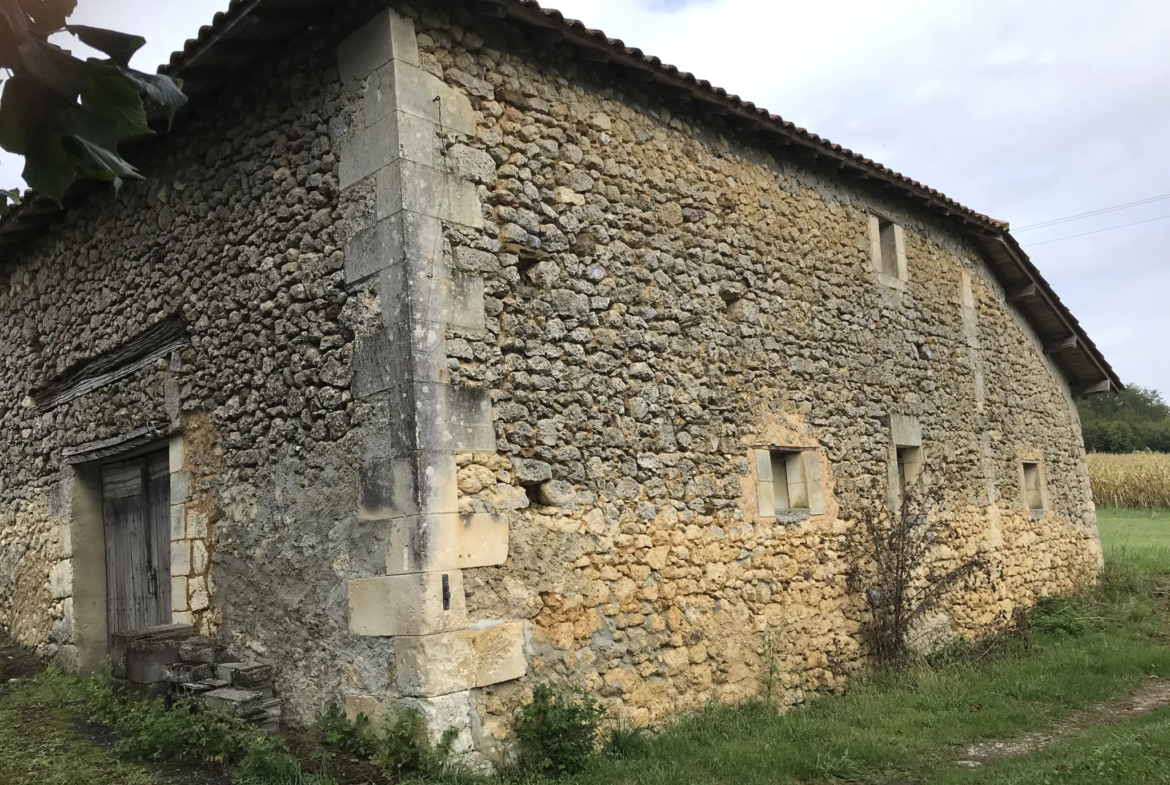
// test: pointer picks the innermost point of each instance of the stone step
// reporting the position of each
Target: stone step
(189, 672)
(247, 675)
(200, 649)
(150, 691)
(243, 688)
(269, 726)
(267, 717)
(142, 656)
(192, 689)
(200, 687)
(242, 703)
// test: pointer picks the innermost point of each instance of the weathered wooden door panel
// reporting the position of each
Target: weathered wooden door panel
(136, 511)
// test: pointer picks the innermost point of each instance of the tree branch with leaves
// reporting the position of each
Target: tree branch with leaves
(66, 116)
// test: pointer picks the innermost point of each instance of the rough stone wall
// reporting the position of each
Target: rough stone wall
(663, 295)
(235, 229)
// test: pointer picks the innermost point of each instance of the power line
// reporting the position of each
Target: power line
(1098, 231)
(1090, 214)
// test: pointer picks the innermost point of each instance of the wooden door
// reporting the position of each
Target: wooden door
(136, 503)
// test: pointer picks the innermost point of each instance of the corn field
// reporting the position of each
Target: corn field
(1137, 480)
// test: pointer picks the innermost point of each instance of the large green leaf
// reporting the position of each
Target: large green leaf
(119, 46)
(29, 113)
(49, 169)
(13, 32)
(114, 97)
(53, 67)
(78, 121)
(56, 136)
(48, 16)
(14, 115)
(40, 117)
(163, 90)
(101, 162)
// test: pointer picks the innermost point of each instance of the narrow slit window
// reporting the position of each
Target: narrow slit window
(888, 243)
(909, 467)
(1033, 487)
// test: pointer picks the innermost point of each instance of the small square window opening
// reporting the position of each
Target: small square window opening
(789, 487)
(787, 483)
(1033, 487)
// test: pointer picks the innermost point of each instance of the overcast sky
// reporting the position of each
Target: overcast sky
(1025, 111)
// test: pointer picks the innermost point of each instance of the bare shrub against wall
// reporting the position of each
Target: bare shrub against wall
(896, 547)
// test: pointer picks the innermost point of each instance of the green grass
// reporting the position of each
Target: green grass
(40, 743)
(45, 721)
(907, 725)
(1123, 754)
(1140, 538)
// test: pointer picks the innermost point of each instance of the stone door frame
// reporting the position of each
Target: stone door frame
(79, 580)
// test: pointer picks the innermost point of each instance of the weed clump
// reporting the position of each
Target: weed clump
(557, 732)
(339, 733)
(405, 750)
(402, 748)
(625, 742)
(267, 761)
(181, 732)
(1069, 617)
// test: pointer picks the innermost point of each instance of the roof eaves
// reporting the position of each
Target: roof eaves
(1071, 323)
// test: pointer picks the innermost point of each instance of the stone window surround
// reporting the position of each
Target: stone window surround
(887, 235)
(79, 579)
(1033, 463)
(905, 434)
(762, 458)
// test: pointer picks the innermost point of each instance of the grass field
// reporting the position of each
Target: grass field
(1139, 538)
(907, 728)
(39, 739)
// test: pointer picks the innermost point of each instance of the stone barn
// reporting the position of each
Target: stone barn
(451, 347)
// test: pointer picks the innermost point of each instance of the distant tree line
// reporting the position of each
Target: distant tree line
(1137, 419)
